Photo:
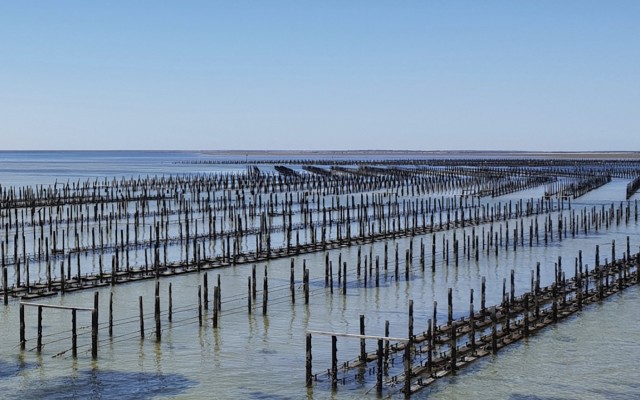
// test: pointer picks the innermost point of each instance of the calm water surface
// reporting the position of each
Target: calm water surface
(592, 355)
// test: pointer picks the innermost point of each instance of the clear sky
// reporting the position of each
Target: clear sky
(268, 74)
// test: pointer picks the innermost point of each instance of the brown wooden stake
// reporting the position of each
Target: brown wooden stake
(265, 295)
(170, 311)
(216, 294)
(74, 334)
(23, 340)
(334, 362)
(39, 345)
(380, 367)
(363, 350)
(309, 372)
(248, 295)
(157, 319)
(200, 305)
(111, 314)
(141, 317)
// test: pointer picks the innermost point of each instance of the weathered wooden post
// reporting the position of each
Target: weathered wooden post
(363, 350)
(216, 295)
(306, 285)
(483, 292)
(379, 366)
(344, 278)
(265, 295)
(110, 314)
(386, 347)
(199, 305)
(334, 362)
(39, 345)
(94, 327)
(170, 303)
(74, 334)
(309, 373)
(248, 295)
(5, 285)
(206, 291)
(141, 317)
(292, 283)
(157, 319)
(23, 340)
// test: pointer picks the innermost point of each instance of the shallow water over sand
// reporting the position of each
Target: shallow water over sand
(591, 355)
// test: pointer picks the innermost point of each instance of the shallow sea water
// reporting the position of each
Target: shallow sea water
(591, 355)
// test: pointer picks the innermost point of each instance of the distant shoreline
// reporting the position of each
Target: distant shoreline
(422, 154)
(435, 153)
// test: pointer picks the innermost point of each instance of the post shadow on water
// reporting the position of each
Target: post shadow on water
(97, 384)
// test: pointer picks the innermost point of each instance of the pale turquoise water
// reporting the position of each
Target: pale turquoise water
(592, 355)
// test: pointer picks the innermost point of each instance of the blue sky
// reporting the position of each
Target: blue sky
(417, 75)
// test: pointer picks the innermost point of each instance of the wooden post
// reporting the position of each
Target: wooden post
(483, 292)
(380, 367)
(94, 326)
(309, 374)
(218, 302)
(141, 317)
(216, 294)
(39, 345)
(5, 285)
(254, 289)
(111, 314)
(157, 318)
(334, 362)
(344, 278)
(292, 283)
(170, 303)
(206, 292)
(386, 347)
(330, 277)
(265, 295)
(248, 295)
(435, 317)
(74, 334)
(306, 285)
(363, 350)
(200, 305)
(23, 341)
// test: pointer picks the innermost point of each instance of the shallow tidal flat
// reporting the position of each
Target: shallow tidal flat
(233, 262)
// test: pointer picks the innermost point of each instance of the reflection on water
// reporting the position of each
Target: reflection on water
(106, 385)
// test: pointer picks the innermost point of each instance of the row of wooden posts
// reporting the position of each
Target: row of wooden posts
(121, 271)
(560, 286)
(445, 351)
